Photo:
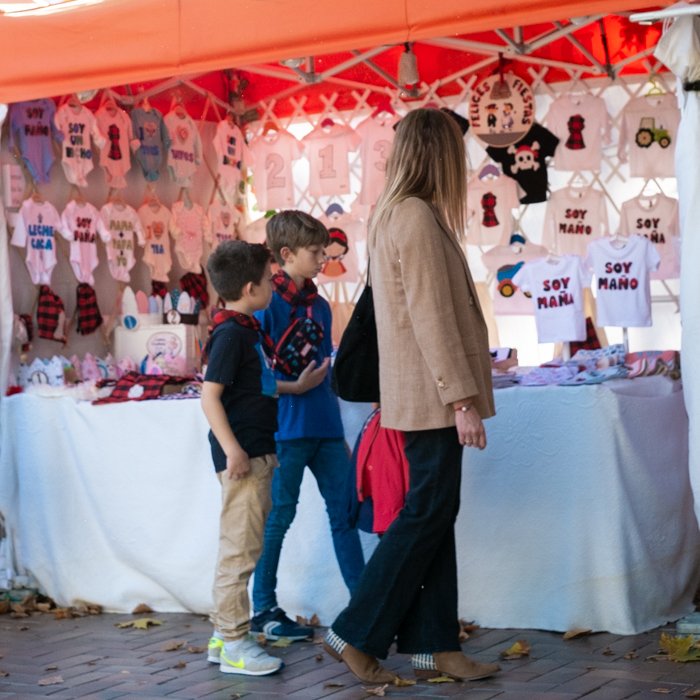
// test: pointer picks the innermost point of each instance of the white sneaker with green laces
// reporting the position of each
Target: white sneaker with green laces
(247, 658)
(214, 650)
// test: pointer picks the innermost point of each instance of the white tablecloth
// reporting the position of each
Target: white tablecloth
(578, 514)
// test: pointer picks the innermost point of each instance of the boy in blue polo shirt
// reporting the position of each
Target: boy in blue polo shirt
(310, 430)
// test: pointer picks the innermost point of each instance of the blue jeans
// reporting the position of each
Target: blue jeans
(328, 461)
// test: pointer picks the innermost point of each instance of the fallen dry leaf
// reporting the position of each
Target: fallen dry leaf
(128, 673)
(401, 682)
(590, 668)
(142, 608)
(94, 609)
(302, 621)
(692, 693)
(469, 627)
(282, 642)
(319, 640)
(235, 696)
(43, 607)
(143, 623)
(18, 608)
(441, 679)
(151, 660)
(173, 646)
(92, 663)
(575, 634)
(197, 650)
(608, 652)
(680, 649)
(630, 655)
(180, 664)
(519, 649)
(51, 668)
(314, 621)
(379, 691)
(4, 674)
(666, 691)
(262, 639)
(51, 680)
(22, 628)
(333, 685)
(319, 657)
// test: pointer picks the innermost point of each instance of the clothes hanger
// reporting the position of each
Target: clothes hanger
(327, 123)
(618, 241)
(151, 198)
(656, 88)
(334, 208)
(578, 182)
(383, 106)
(180, 111)
(269, 126)
(553, 258)
(184, 196)
(118, 201)
(76, 195)
(490, 169)
(145, 104)
(74, 102)
(36, 195)
(230, 118)
(656, 190)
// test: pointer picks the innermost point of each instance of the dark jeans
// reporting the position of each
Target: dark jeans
(408, 590)
(328, 461)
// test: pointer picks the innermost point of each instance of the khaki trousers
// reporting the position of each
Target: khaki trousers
(245, 506)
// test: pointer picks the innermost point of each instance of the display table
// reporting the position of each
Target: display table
(578, 514)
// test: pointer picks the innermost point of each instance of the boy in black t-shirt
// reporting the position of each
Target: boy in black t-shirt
(239, 399)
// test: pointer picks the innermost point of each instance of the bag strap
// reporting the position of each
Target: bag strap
(369, 279)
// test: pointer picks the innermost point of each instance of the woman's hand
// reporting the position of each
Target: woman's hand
(470, 428)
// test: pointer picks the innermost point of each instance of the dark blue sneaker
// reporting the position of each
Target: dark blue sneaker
(274, 624)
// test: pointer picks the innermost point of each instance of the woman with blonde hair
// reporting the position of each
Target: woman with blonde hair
(435, 380)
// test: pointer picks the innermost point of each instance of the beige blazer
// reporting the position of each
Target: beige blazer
(433, 342)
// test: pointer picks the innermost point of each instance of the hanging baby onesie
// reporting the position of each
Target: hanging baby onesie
(648, 135)
(188, 232)
(185, 152)
(77, 125)
(575, 216)
(82, 224)
(489, 205)
(377, 134)
(156, 227)
(621, 278)
(35, 228)
(256, 231)
(327, 150)
(222, 223)
(341, 263)
(274, 153)
(504, 261)
(151, 140)
(655, 218)
(115, 157)
(231, 153)
(556, 288)
(31, 124)
(121, 224)
(526, 162)
(582, 124)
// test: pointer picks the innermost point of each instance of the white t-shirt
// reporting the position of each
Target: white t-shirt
(655, 218)
(121, 224)
(377, 134)
(117, 131)
(82, 224)
(77, 126)
(574, 217)
(489, 205)
(156, 228)
(582, 124)
(557, 296)
(231, 152)
(504, 261)
(648, 131)
(222, 223)
(341, 254)
(621, 278)
(188, 232)
(185, 152)
(274, 153)
(35, 228)
(327, 149)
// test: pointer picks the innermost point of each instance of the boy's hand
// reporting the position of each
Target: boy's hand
(311, 377)
(237, 465)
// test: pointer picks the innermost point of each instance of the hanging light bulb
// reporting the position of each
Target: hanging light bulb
(408, 67)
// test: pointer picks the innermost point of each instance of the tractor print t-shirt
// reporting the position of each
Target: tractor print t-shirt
(648, 131)
(574, 217)
(525, 162)
(556, 287)
(621, 280)
(504, 261)
(582, 124)
(655, 218)
(489, 204)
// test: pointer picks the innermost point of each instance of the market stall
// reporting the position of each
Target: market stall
(572, 133)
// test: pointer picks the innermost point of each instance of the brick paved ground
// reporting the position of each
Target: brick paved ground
(98, 661)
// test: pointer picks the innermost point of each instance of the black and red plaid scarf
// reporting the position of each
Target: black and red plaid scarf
(151, 386)
(51, 315)
(287, 289)
(159, 289)
(89, 316)
(219, 316)
(196, 286)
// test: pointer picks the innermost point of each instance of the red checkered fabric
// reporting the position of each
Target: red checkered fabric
(590, 343)
(29, 325)
(576, 126)
(287, 289)
(89, 316)
(152, 385)
(159, 289)
(219, 316)
(196, 286)
(51, 315)
(488, 204)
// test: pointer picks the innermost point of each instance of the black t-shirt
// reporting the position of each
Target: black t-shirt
(525, 162)
(237, 360)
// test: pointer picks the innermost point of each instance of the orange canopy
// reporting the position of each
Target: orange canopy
(64, 49)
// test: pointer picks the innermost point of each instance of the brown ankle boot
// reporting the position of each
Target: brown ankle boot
(455, 665)
(363, 666)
